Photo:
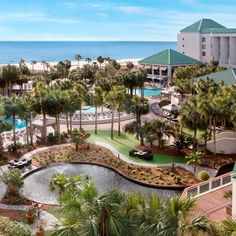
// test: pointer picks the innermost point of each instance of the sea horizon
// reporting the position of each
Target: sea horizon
(53, 51)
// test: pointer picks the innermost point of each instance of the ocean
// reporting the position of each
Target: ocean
(12, 52)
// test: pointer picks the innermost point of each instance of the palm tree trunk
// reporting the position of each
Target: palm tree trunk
(112, 123)
(31, 131)
(194, 138)
(70, 122)
(214, 134)
(119, 133)
(27, 132)
(96, 119)
(80, 118)
(14, 128)
(58, 128)
(67, 122)
(44, 133)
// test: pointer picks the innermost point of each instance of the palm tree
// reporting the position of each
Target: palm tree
(191, 116)
(120, 100)
(12, 107)
(88, 60)
(33, 62)
(229, 227)
(44, 64)
(195, 159)
(158, 129)
(136, 128)
(78, 58)
(110, 98)
(97, 101)
(100, 60)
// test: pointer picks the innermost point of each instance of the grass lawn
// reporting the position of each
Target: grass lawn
(190, 132)
(127, 142)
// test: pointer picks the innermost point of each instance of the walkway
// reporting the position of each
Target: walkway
(214, 204)
(48, 220)
(212, 172)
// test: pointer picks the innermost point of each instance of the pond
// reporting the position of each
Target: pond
(36, 185)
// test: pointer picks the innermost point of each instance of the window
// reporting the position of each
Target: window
(203, 54)
(183, 39)
(203, 39)
(183, 45)
(203, 46)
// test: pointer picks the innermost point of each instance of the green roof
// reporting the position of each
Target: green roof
(219, 31)
(169, 57)
(227, 76)
(202, 25)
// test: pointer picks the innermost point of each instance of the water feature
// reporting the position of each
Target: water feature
(148, 92)
(89, 110)
(36, 185)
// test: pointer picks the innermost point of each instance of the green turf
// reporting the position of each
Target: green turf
(190, 132)
(127, 142)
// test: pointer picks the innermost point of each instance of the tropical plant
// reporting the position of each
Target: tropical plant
(203, 175)
(79, 137)
(14, 181)
(194, 158)
(78, 58)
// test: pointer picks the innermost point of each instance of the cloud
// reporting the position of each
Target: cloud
(71, 5)
(36, 17)
(132, 9)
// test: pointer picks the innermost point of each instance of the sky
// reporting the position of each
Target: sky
(121, 20)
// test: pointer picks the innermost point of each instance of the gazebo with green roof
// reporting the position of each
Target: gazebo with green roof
(163, 64)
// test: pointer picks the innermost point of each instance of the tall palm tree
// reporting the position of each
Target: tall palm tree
(191, 116)
(88, 60)
(44, 64)
(110, 98)
(33, 62)
(97, 101)
(78, 58)
(195, 159)
(100, 60)
(12, 107)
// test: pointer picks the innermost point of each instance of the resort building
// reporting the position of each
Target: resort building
(228, 77)
(207, 40)
(162, 65)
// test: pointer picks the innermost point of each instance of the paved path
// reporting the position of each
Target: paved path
(213, 204)
(212, 172)
(48, 220)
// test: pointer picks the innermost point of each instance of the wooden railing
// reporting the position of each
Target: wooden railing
(208, 186)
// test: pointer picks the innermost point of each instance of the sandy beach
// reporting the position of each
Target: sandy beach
(74, 64)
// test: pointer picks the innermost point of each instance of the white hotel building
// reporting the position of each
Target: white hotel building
(206, 40)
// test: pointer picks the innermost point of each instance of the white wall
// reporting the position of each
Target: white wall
(191, 43)
(225, 143)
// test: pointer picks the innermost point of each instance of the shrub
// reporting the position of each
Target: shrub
(18, 229)
(4, 221)
(203, 175)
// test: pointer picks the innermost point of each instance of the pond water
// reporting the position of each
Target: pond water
(36, 185)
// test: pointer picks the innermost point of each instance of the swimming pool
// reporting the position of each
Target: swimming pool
(20, 124)
(89, 109)
(148, 92)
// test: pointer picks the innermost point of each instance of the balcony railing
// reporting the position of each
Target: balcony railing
(208, 186)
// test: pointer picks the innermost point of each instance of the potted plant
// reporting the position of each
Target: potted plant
(228, 195)
(30, 215)
(40, 231)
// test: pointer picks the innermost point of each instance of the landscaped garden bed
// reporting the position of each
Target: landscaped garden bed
(170, 176)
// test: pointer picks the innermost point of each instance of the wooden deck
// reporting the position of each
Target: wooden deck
(214, 204)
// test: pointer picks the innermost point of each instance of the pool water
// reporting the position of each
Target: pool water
(20, 124)
(89, 110)
(148, 92)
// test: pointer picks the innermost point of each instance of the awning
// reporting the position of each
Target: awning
(163, 68)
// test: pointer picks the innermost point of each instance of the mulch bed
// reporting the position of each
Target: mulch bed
(154, 176)
(13, 214)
